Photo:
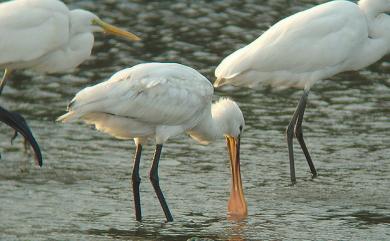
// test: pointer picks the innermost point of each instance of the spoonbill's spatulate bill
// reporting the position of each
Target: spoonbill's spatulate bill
(44, 35)
(309, 46)
(160, 101)
(18, 123)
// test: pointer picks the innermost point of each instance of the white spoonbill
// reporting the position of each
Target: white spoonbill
(160, 101)
(44, 35)
(309, 46)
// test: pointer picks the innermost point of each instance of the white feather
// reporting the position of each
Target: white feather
(31, 29)
(155, 99)
(308, 46)
(46, 36)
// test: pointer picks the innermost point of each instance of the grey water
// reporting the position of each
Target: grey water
(83, 191)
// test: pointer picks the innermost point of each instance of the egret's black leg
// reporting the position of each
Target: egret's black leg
(153, 175)
(20, 118)
(25, 141)
(136, 181)
(14, 137)
(290, 134)
(299, 135)
(7, 72)
(17, 122)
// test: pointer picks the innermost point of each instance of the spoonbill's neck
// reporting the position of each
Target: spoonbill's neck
(209, 128)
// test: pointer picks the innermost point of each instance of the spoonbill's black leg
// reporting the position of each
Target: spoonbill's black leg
(290, 134)
(153, 175)
(136, 181)
(17, 122)
(299, 135)
(7, 72)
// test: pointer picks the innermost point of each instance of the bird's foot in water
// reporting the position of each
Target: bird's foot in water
(314, 175)
(26, 145)
(25, 142)
(24, 164)
(19, 124)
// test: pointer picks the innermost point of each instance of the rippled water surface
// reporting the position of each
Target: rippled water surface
(83, 190)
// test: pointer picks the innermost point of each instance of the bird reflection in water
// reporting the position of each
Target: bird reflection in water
(236, 231)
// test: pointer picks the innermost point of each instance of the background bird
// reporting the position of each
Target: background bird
(160, 101)
(44, 35)
(307, 47)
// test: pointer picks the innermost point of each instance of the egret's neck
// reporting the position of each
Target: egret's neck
(209, 128)
(379, 37)
(378, 43)
(378, 20)
(372, 8)
(380, 28)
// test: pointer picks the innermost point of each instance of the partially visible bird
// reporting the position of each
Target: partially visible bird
(160, 101)
(18, 123)
(44, 35)
(309, 46)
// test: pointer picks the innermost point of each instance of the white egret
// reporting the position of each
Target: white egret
(160, 101)
(44, 35)
(309, 46)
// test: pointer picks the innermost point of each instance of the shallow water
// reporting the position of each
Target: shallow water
(83, 190)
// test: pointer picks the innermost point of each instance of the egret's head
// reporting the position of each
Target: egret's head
(85, 21)
(232, 124)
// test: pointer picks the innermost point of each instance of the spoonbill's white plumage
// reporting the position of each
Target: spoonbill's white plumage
(309, 46)
(44, 35)
(160, 101)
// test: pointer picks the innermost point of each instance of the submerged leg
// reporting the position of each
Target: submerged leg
(153, 175)
(25, 141)
(290, 134)
(136, 181)
(17, 122)
(299, 135)
(7, 73)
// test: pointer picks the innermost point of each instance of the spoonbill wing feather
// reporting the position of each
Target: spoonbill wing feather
(144, 93)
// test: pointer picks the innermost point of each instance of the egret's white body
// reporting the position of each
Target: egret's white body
(44, 35)
(309, 46)
(157, 100)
